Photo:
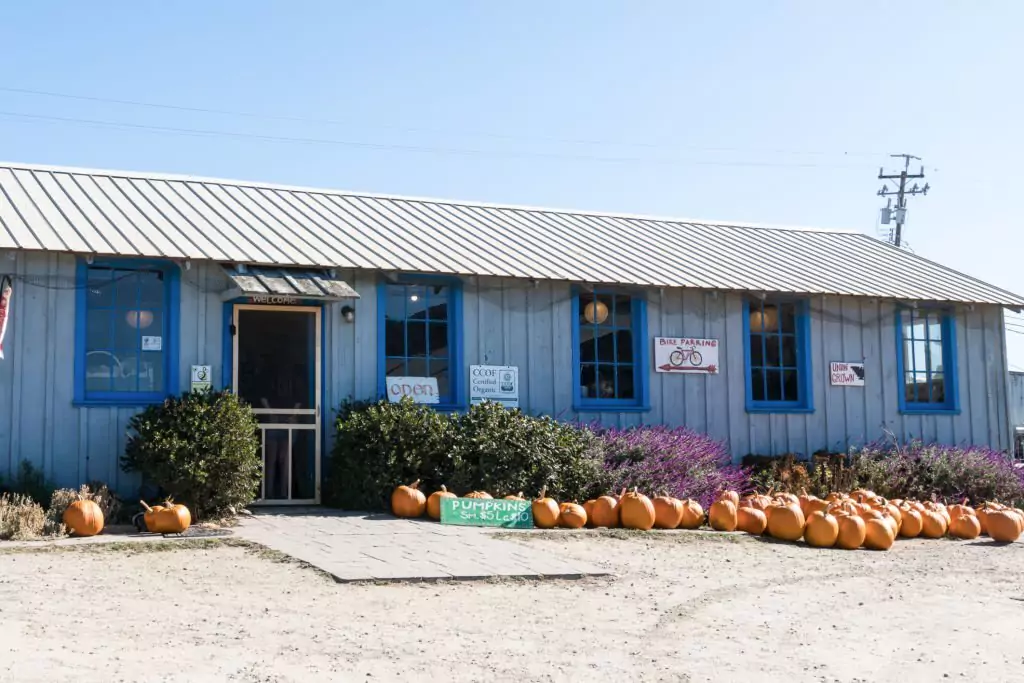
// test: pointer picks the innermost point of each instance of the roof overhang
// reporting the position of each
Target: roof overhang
(262, 282)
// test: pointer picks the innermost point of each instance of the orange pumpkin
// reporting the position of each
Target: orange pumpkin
(518, 496)
(722, 515)
(545, 511)
(636, 511)
(965, 526)
(434, 502)
(588, 507)
(572, 516)
(1004, 526)
(176, 518)
(668, 512)
(408, 501)
(693, 515)
(84, 517)
(605, 512)
(478, 494)
(150, 517)
(731, 496)
(786, 521)
(960, 509)
(822, 530)
(933, 524)
(912, 523)
(751, 520)
(852, 532)
(894, 511)
(878, 534)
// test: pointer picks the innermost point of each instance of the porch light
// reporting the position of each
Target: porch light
(140, 319)
(596, 312)
(348, 313)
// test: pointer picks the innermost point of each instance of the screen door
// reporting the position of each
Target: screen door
(277, 372)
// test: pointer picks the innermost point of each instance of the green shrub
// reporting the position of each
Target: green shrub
(21, 518)
(506, 451)
(380, 445)
(202, 449)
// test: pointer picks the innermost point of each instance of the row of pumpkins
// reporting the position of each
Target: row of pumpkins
(85, 518)
(850, 521)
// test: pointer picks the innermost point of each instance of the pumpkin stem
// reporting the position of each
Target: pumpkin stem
(443, 489)
(415, 484)
(543, 492)
(146, 507)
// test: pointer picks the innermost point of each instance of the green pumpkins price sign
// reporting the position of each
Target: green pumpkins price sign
(505, 514)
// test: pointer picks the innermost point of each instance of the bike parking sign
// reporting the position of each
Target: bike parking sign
(686, 355)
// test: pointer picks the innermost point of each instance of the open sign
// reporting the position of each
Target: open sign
(419, 389)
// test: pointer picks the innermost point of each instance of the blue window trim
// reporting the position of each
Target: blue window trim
(803, 363)
(950, 356)
(172, 294)
(641, 352)
(457, 395)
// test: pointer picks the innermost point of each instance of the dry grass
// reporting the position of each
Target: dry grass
(21, 518)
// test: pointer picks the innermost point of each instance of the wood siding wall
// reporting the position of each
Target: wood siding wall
(506, 322)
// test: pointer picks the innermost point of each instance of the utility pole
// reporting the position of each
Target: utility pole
(899, 213)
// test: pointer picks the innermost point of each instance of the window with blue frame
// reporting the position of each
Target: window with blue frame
(126, 346)
(421, 334)
(778, 359)
(927, 360)
(608, 335)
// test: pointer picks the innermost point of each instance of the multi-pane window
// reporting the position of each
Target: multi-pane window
(777, 363)
(419, 333)
(608, 337)
(926, 359)
(126, 345)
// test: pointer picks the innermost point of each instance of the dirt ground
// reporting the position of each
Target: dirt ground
(682, 606)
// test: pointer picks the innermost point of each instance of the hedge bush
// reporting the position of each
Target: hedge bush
(378, 446)
(934, 471)
(681, 462)
(506, 451)
(201, 448)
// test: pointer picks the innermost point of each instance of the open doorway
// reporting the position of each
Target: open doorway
(277, 371)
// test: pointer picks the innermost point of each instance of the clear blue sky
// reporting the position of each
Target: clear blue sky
(773, 112)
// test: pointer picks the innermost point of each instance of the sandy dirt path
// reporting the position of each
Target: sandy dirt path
(683, 606)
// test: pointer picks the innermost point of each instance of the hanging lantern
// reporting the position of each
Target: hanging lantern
(596, 312)
(140, 319)
(766, 320)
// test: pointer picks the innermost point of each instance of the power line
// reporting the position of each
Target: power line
(416, 129)
(174, 130)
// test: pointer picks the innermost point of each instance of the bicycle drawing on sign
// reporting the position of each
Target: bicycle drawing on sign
(681, 355)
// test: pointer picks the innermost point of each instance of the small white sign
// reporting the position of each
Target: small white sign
(152, 343)
(498, 383)
(686, 355)
(419, 389)
(846, 374)
(201, 377)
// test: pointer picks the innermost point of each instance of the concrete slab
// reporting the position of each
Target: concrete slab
(352, 546)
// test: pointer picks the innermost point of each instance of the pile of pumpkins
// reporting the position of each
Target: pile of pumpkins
(169, 518)
(848, 521)
(860, 519)
(629, 509)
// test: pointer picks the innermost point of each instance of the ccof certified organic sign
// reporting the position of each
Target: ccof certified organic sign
(201, 377)
(686, 355)
(498, 383)
(419, 389)
(509, 514)
(846, 374)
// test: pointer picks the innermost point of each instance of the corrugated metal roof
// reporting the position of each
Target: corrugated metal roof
(135, 214)
(286, 282)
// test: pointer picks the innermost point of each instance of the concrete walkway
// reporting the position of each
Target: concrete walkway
(354, 546)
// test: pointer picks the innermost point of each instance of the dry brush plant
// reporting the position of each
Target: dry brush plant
(21, 518)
